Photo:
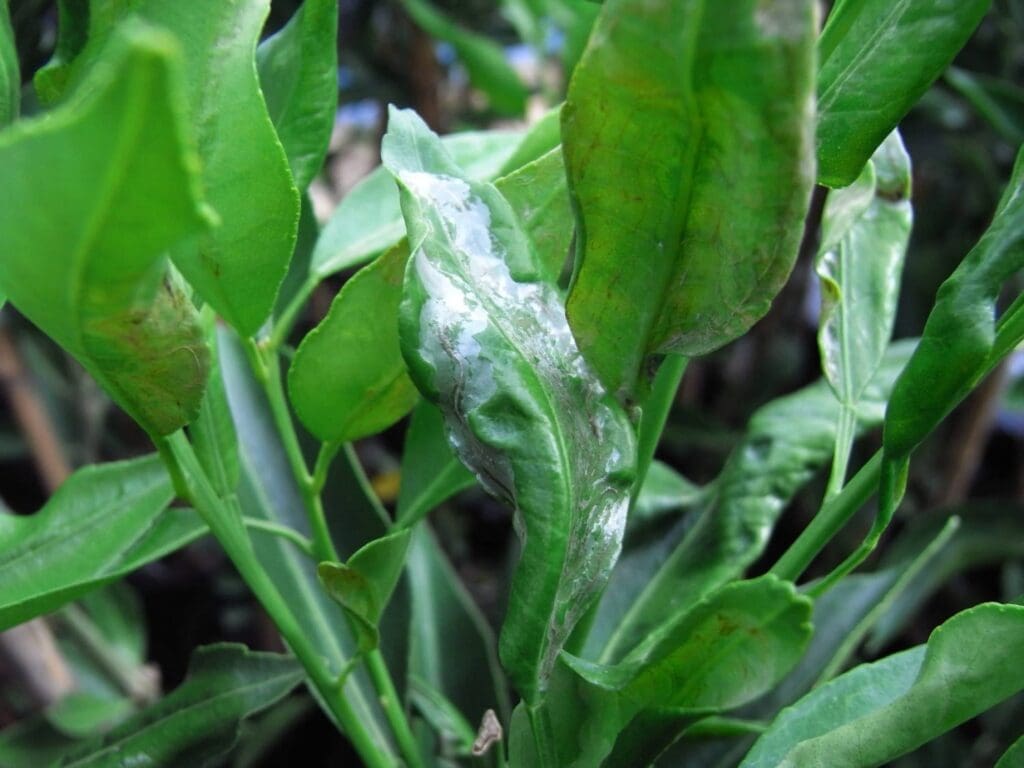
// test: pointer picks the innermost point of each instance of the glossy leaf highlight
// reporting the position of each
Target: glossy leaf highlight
(682, 240)
(489, 343)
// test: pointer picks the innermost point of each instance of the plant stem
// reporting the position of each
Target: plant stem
(655, 414)
(834, 514)
(284, 324)
(281, 531)
(846, 432)
(543, 739)
(391, 702)
(268, 373)
(192, 485)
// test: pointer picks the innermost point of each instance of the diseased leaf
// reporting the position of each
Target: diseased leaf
(451, 645)
(430, 472)
(484, 60)
(489, 343)
(10, 74)
(104, 522)
(876, 712)
(364, 584)
(870, 72)
(298, 70)
(787, 441)
(665, 111)
(539, 195)
(348, 379)
(369, 219)
(199, 721)
(121, 172)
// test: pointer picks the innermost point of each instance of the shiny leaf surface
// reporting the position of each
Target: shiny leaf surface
(490, 344)
(123, 176)
(870, 72)
(55, 555)
(682, 241)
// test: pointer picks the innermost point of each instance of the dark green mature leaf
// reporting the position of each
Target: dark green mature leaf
(488, 341)
(369, 219)
(364, 584)
(199, 721)
(787, 442)
(871, 72)
(430, 472)
(729, 649)
(348, 379)
(484, 60)
(539, 194)
(104, 522)
(879, 711)
(865, 230)
(10, 74)
(298, 69)
(452, 648)
(123, 176)
(268, 491)
(682, 240)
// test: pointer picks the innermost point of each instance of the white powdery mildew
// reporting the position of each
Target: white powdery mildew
(475, 310)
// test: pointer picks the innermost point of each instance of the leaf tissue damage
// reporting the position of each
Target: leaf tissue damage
(487, 339)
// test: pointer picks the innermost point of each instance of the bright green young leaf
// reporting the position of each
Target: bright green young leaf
(10, 73)
(1000, 102)
(123, 176)
(875, 60)
(239, 266)
(348, 379)
(213, 432)
(364, 584)
(268, 492)
(865, 231)
(298, 69)
(876, 712)
(452, 648)
(682, 239)
(199, 721)
(487, 340)
(484, 60)
(543, 136)
(787, 441)
(1014, 756)
(104, 522)
(539, 195)
(430, 471)
(729, 649)
(369, 219)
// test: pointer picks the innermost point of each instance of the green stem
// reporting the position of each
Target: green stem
(268, 373)
(284, 324)
(655, 414)
(846, 432)
(365, 485)
(391, 702)
(192, 485)
(543, 739)
(281, 531)
(834, 514)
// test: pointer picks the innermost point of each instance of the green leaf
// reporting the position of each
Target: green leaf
(729, 649)
(876, 712)
(348, 379)
(10, 74)
(430, 471)
(664, 490)
(121, 172)
(484, 60)
(298, 70)
(871, 72)
(543, 136)
(787, 441)
(1014, 756)
(1000, 102)
(444, 717)
(539, 195)
(51, 81)
(213, 432)
(364, 584)
(55, 555)
(369, 219)
(199, 721)
(865, 230)
(451, 646)
(268, 491)
(490, 344)
(665, 112)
